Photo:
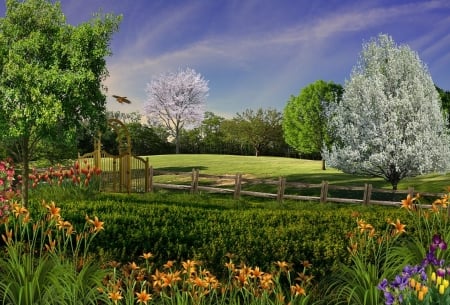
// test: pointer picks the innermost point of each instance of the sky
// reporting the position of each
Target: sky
(257, 53)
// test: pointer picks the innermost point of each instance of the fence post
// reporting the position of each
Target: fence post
(367, 193)
(150, 179)
(115, 175)
(237, 186)
(194, 184)
(146, 175)
(411, 191)
(281, 188)
(324, 192)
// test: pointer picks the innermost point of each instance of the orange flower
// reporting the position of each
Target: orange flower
(169, 264)
(133, 266)
(157, 278)
(189, 266)
(98, 225)
(115, 296)
(256, 273)
(19, 210)
(364, 226)
(306, 264)
(53, 210)
(230, 266)
(143, 297)
(242, 278)
(298, 290)
(267, 281)
(147, 255)
(442, 202)
(282, 265)
(408, 203)
(399, 228)
(64, 224)
(8, 237)
(171, 278)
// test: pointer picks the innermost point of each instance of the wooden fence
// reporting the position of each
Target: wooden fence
(323, 190)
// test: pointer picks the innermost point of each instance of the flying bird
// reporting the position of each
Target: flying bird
(122, 99)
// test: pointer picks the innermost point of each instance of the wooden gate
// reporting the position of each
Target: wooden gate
(123, 172)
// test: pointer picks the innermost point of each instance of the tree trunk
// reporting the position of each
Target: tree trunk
(26, 171)
(177, 142)
(323, 164)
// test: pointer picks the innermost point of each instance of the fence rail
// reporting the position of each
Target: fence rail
(323, 190)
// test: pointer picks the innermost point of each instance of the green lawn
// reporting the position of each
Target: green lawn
(299, 170)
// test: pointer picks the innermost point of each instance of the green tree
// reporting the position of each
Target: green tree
(305, 118)
(261, 128)
(145, 140)
(50, 74)
(212, 134)
(445, 102)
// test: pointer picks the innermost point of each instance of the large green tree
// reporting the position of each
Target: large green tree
(50, 74)
(305, 118)
(390, 123)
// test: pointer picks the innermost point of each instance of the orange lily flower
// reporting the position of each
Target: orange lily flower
(143, 297)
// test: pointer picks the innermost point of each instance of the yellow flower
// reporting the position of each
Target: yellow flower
(115, 296)
(143, 297)
(441, 289)
(433, 276)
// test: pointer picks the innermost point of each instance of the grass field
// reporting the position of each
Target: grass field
(299, 170)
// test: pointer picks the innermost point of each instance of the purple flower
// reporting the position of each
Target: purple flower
(383, 285)
(440, 272)
(438, 242)
(400, 282)
(389, 298)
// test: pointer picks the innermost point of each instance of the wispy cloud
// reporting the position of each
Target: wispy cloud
(270, 62)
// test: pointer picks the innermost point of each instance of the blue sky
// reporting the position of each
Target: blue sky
(257, 53)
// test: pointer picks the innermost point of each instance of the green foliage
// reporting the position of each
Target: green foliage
(43, 262)
(205, 228)
(51, 73)
(305, 117)
(260, 128)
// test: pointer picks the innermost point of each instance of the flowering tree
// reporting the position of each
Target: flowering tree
(50, 75)
(177, 101)
(389, 123)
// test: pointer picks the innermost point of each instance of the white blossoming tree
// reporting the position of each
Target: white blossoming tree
(389, 123)
(177, 100)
